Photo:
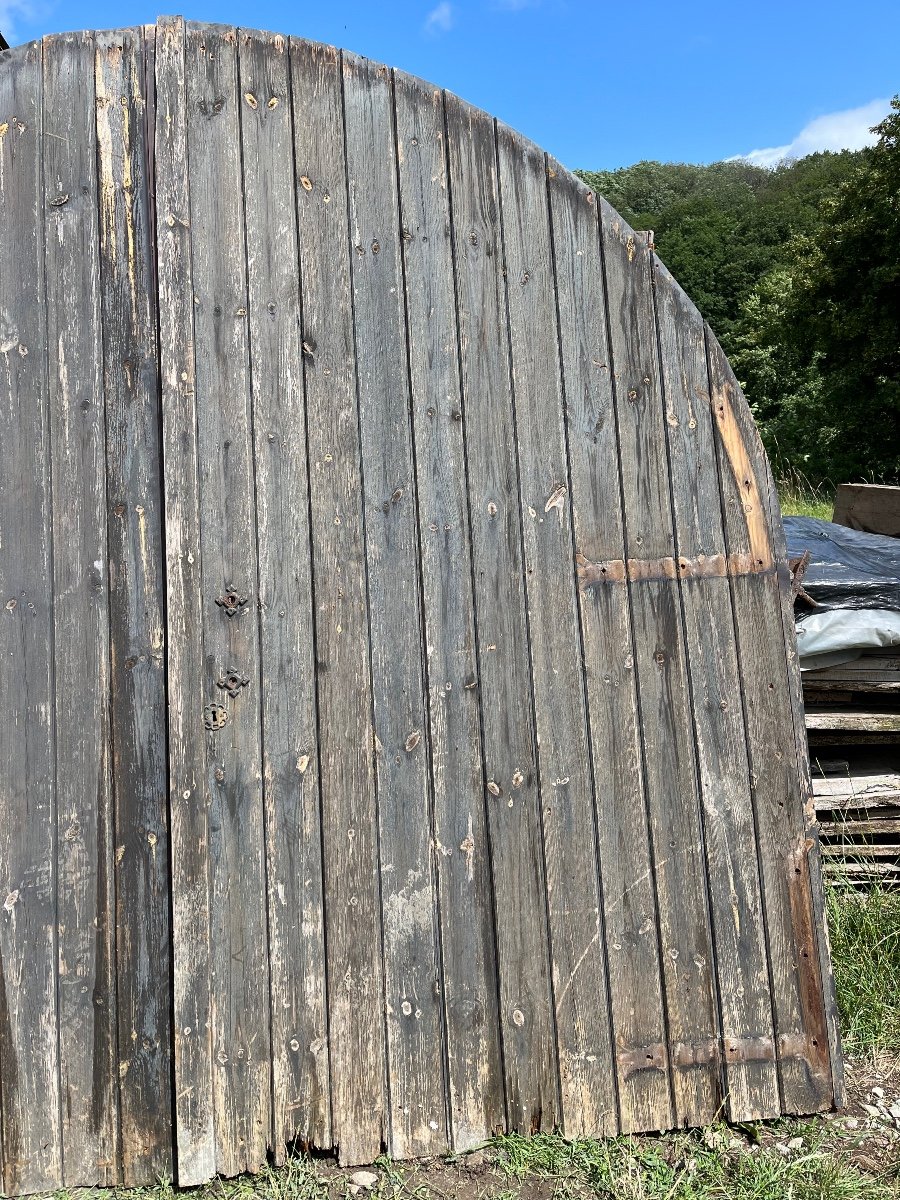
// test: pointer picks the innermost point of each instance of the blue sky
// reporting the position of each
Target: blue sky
(600, 85)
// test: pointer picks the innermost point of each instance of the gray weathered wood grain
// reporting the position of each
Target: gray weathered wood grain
(300, 1075)
(85, 907)
(504, 677)
(748, 1051)
(801, 743)
(457, 781)
(661, 665)
(137, 604)
(475, 1075)
(785, 844)
(344, 688)
(566, 784)
(189, 800)
(417, 1122)
(236, 849)
(629, 902)
(31, 1120)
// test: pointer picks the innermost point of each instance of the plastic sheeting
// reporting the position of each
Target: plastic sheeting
(848, 568)
(838, 635)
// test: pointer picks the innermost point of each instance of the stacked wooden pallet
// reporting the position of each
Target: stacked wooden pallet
(853, 724)
(857, 800)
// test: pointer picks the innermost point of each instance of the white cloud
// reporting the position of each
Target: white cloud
(440, 19)
(847, 130)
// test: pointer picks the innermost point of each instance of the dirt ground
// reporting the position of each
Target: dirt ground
(870, 1120)
(856, 1153)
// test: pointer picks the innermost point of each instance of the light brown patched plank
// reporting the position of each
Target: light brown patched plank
(584, 1044)
(789, 864)
(801, 745)
(461, 851)
(30, 1149)
(346, 735)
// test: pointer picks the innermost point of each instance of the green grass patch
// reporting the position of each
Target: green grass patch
(708, 1164)
(781, 1160)
(793, 505)
(796, 1161)
(865, 947)
(801, 498)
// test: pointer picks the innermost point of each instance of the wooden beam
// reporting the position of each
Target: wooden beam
(871, 507)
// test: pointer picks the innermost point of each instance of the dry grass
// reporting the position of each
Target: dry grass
(801, 498)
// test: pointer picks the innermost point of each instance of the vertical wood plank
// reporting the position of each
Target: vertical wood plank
(771, 506)
(475, 1075)
(566, 784)
(137, 636)
(300, 1084)
(785, 844)
(85, 904)
(238, 928)
(29, 1079)
(188, 804)
(412, 975)
(629, 899)
(737, 908)
(344, 686)
(661, 663)
(801, 743)
(504, 681)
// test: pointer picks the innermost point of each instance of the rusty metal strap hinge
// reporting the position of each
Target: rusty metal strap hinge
(658, 570)
(736, 1051)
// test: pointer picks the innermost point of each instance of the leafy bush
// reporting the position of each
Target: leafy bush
(797, 269)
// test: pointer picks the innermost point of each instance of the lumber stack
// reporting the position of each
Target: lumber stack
(853, 725)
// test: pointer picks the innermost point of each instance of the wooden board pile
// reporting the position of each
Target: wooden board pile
(853, 722)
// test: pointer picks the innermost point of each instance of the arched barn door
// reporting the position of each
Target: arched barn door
(400, 715)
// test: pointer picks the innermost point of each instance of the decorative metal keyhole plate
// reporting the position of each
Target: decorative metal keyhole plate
(232, 682)
(215, 716)
(232, 602)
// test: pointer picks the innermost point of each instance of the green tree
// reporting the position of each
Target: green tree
(843, 317)
(784, 385)
(790, 269)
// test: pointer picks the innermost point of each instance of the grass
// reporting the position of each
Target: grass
(709, 1163)
(780, 1160)
(865, 945)
(801, 498)
(800, 1161)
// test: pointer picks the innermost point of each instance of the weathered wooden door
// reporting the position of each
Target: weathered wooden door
(400, 716)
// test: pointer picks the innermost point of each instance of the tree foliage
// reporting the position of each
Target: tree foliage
(797, 269)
